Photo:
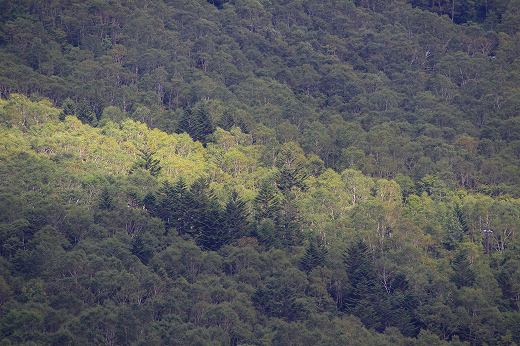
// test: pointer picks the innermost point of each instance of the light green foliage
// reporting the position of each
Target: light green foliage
(20, 112)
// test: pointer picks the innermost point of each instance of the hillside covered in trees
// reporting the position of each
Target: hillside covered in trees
(254, 172)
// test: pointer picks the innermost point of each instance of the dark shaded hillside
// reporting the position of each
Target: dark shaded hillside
(379, 86)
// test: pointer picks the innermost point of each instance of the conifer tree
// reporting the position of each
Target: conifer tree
(362, 295)
(173, 204)
(463, 275)
(105, 200)
(150, 203)
(267, 203)
(69, 108)
(454, 230)
(227, 121)
(182, 202)
(147, 162)
(202, 216)
(315, 255)
(462, 219)
(197, 123)
(288, 222)
(291, 177)
(141, 250)
(83, 110)
(235, 218)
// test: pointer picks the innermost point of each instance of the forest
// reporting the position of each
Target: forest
(260, 172)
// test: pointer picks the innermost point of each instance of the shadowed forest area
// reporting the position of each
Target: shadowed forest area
(260, 172)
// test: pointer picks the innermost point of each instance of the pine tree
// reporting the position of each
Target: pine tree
(141, 250)
(315, 255)
(173, 205)
(288, 223)
(203, 219)
(362, 296)
(182, 201)
(235, 218)
(454, 231)
(197, 123)
(105, 200)
(291, 177)
(84, 112)
(227, 121)
(150, 203)
(267, 203)
(463, 275)
(462, 219)
(210, 232)
(147, 162)
(69, 108)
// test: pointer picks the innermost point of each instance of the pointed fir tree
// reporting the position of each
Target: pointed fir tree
(315, 255)
(288, 222)
(267, 203)
(235, 217)
(454, 231)
(183, 203)
(141, 250)
(84, 112)
(204, 124)
(210, 233)
(203, 216)
(147, 162)
(165, 203)
(462, 219)
(150, 163)
(197, 123)
(68, 108)
(362, 296)
(173, 205)
(227, 121)
(463, 274)
(291, 177)
(105, 200)
(150, 204)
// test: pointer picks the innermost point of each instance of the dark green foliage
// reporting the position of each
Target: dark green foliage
(173, 205)
(279, 296)
(267, 202)
(197, 123)
(105, 200)
(461, 219)
(462, 11)
(363, 294)
(91, 255)
(227, 121)
(291, 177)
(315, 255)
(141, 249)
(218, 3)
(83, 110)
(266, 233)
(288, 222)
(69, 108)
(402, 305)
(236, 217)
(455, 229)
(463, 275)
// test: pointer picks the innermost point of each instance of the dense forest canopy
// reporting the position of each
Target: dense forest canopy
(254, 172)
